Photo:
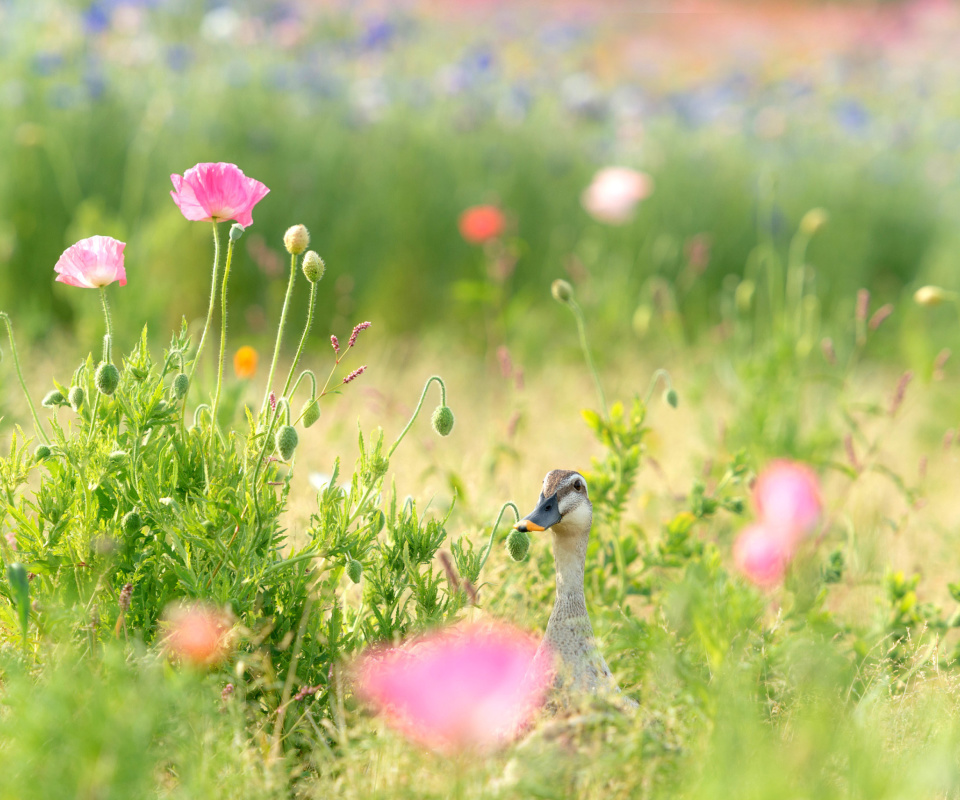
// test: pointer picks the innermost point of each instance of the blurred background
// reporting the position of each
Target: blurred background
(377, 124)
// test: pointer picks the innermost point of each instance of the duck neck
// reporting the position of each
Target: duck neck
(570, 556)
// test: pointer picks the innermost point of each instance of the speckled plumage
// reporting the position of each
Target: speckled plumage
(569, 635)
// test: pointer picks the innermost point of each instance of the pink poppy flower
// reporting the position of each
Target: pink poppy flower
(92, 263)
(762, 554)
(479, 224)
(787, 498)
(614, 192)
(217, 192)
(467, 687)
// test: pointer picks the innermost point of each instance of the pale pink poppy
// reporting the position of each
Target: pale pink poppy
(614, 192)
(762, 554)
(92, 263)
(787, 498)
(217, 192)
(468, 687)
(197, 634)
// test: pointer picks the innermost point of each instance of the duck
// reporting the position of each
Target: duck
(564, 508)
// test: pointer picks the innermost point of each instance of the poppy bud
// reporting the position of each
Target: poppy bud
(354, 570)
(561, 290)
(76, 396)
(672, 397)
(442, 420)
(518, 543)
(236, 231)
(180, 385)
(310, 412)
(131, 522)
(296, 239)
(52, 399)
(42, 453)
(313, 266)
(107, 378)
(287, 441)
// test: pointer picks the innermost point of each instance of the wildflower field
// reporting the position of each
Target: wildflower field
(479, 399)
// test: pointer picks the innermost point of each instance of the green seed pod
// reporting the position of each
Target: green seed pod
(354, 570)
(42, 453)
(518, 543)
(671, 397)
(76, 396)
(377, 520)
(561, 290)
(310, 412)
(313, 266)
(236, 231)
(442, 420)
(180, 385)
(131, 522)
(107, 378)
(287, 441)
(52, 399)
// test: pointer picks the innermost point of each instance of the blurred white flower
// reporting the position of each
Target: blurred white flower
(220, 25)
(614, 192)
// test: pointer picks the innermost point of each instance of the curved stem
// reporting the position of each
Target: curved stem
(108, 337)
(581, 329)
(283, 322)
(213, 301)
(443, 402)
(268, 437)
(303, 339)
(16, 363)
(493, 532)
(223, 342)
(660, 373)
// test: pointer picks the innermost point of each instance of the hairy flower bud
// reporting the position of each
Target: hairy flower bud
(180, 385)
(42, 453)
(312, 266)
(287, 441)
(236, 231)
(131, 522)
(76, 396)
(672, 397)
(107, 378)
(518, 543)
(53, 399)
(310, 412)
(561, 290)
(442, 420)
(354, 570)
(296, 239)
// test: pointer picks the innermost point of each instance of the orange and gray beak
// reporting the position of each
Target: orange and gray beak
(546, 513)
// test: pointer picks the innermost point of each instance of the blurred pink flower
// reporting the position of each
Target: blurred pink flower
(471, 686)
(787, 498)
(217, 192)
(197, 634)
(479, 224)
(92, 263)
(614, 193)
(762, 554)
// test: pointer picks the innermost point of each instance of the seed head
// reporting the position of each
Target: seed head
(561, 290)
(879, 316)
(107, 378)
(180, 385)
(296, 239)
(53, 399)
(518, 543)
(355, 374)
(335, 342)
(313, 266)
(354, 570)
(76, 396)
(124, 600)
(287, 441)
(310, 412)
(236, 231)
(863, 304)
(442, 420)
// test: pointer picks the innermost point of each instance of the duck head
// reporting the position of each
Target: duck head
(564, 505)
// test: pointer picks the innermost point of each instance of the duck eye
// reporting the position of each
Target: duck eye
(578, 485)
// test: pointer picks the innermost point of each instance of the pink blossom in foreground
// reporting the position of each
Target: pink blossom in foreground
(197, 634)
(787, 498)
(467, 687)
(762, 554)
(479, 224)
(217, 192)
(92, 263)
(614, 192)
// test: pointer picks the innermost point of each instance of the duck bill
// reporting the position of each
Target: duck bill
(546, 513)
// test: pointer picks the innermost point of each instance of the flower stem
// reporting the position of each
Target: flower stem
(443, 402)
(283, 322)
(16, 363)
(108, 336)
(582, 331)
(223, 342)
(493, 532)
(213, 302)
(303, 339)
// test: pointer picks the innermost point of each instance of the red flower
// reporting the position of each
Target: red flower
(479, 224)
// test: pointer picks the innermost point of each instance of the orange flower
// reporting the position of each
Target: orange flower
(245, 362)
(479, 224)
(198, 634)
